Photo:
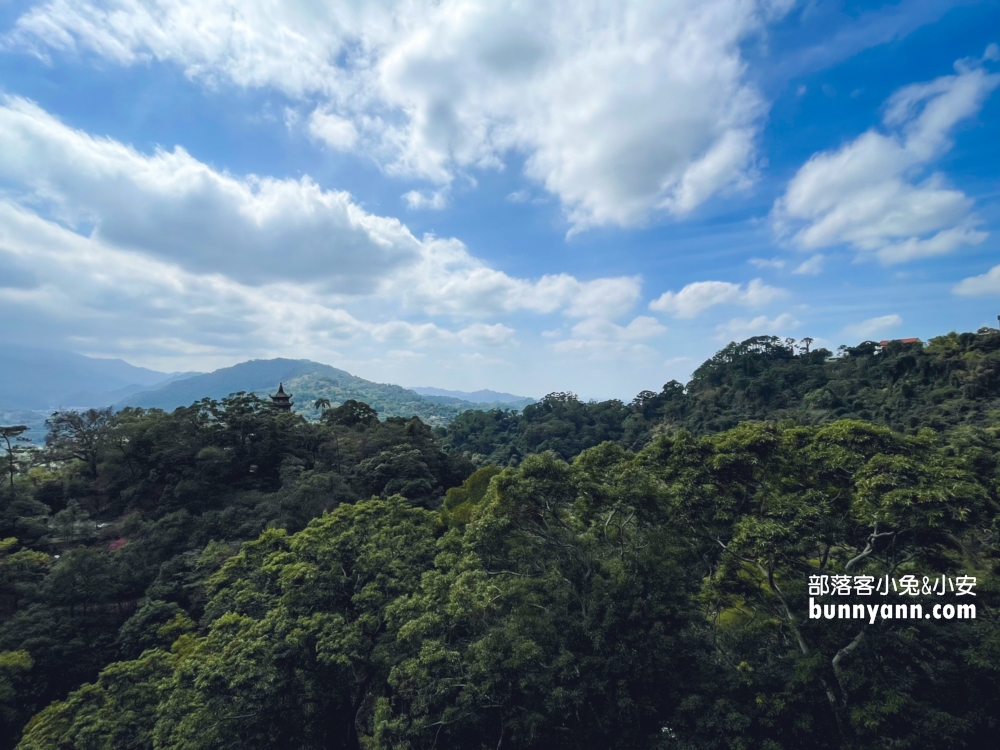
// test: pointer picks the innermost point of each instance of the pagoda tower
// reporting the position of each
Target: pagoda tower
(281, 400)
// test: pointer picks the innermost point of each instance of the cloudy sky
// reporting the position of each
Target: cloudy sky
(525, 196)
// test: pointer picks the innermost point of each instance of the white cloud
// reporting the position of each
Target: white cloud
(258, 230)
(873, 327)
(874, 194)
(518, 196)
(449, 281)
(87, 285)
(775, 263)
(606, 298)
(422, 334)
(741, 328)
(700, 295)
(405, 355)
(257, 269)
(811, 267)
(941, 243)
(333, 130)
(196, 316)
(975, 286)
(180, 210)
(621, 109)
(642, 327)
(477, 359)
(433, 200)
(411, 334)
(599, 349)
(601, 339)
(481, 334)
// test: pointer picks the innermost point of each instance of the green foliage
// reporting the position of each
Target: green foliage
(351, 413)
(953, 381)
(368, 628)
(116, 713)
(10, 434)
(622, 600)
(21, 572)
(459, 501)
(147, 505)
(611, 576)
(543, 626)
(560, 422)
(14, 665)
(775, 504)
(157, 624)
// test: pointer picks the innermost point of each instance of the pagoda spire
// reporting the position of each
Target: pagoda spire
(281, 400)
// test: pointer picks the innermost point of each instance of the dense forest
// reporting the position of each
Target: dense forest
(953, 380)
(573, 575)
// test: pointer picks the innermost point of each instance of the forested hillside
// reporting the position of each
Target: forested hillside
(308, 382)
(577, 575)
(953, 380)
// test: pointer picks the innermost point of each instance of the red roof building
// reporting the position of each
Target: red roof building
(899, 341)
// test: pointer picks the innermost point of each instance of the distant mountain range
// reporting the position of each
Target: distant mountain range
(477, 397)
(37, 381)
(259, 376)
(309, 381)
(47, 379)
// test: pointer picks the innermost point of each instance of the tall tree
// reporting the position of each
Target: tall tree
(8, 433)
(76, 434)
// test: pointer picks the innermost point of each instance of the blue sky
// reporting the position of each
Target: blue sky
(529, 197)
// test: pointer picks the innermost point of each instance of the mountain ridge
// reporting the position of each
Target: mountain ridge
(40, 381)
(39, 378)
(482, 396)
(306, 381)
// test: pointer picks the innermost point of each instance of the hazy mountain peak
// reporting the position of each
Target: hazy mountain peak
(482, 396)
(38, 378)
